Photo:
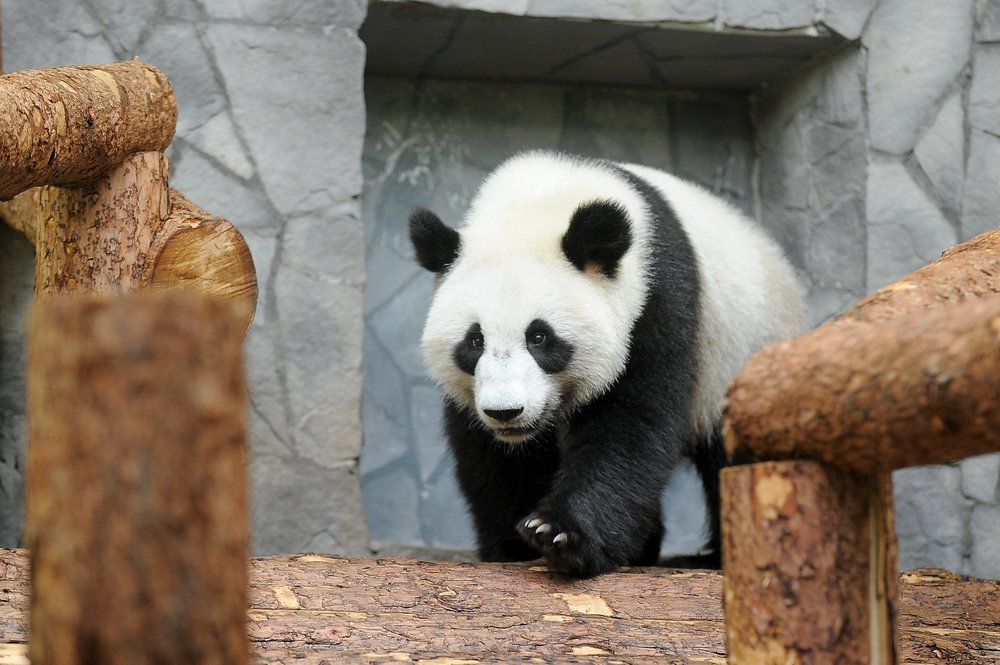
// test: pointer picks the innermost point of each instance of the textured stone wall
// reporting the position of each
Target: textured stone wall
(872, 162)
(270, 134)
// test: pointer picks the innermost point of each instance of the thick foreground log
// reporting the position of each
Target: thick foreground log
(128, 231)
(313, 610)
(137, 516)
(810, 560)
(920, 389)
(72, 124)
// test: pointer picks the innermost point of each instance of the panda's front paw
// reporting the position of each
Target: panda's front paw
(566, 547)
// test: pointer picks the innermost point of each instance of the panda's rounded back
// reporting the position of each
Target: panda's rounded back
(750, 295)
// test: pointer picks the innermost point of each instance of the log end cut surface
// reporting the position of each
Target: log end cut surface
(311, 609)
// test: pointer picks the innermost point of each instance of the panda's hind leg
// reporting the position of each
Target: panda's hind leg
(709, 457)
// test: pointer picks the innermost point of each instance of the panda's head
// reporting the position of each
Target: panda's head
(535, 299)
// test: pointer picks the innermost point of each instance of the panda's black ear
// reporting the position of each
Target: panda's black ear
(435, 243)
(599, 235)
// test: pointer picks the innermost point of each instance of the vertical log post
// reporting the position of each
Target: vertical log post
(137, 515)
(810, 560)
(96, 237)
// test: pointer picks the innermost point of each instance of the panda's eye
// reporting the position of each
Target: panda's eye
(476, 340)
(537, 338)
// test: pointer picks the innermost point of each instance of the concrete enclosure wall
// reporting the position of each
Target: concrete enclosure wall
(863, 133)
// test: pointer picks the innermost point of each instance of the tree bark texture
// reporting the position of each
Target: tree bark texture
(97, 239)
(873, 397)
(72, 124)
(968, 271)
(810, 565)
(137, 508)
(309, 609)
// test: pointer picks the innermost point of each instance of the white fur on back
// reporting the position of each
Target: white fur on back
(750, 296)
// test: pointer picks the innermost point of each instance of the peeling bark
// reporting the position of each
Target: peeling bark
(810, 565)
(96, 238)
(137, 509)
(70, 125)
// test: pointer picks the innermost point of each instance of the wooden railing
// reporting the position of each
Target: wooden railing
(909, 376)
(136, 482)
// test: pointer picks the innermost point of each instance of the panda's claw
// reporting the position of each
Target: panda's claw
(543, 528)
(532, 523)
(561, 537)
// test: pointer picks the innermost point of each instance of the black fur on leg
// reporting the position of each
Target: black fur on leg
(501, 483)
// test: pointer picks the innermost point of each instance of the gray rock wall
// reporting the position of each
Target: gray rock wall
(269, 135)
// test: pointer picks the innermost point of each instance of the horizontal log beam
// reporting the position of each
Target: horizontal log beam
(917, 390)
(967, 271)
(873, 391)
(315, 609)
(72, 124)
(198, 251)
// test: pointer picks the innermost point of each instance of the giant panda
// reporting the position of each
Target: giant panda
(586, 321)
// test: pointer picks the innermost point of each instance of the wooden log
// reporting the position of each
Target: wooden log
(315, 609)
(70, 125)
(968, 271)
(97, 238)
(810, 565)
(136, 510)
(93, 240)
(201, 252)
(793, 395)
(921, 389)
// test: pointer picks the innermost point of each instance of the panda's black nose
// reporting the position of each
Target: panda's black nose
(504, 415)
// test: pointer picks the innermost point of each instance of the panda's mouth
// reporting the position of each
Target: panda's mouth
(514, 434)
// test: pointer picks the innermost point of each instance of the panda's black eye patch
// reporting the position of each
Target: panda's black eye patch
(470, 349)
(551, 352)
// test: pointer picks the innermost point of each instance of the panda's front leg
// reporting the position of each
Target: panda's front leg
(603, 510)
(500, 484)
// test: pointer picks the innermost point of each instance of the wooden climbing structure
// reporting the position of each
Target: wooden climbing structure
(137, 507)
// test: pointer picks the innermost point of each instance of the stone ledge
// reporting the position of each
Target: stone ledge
(419, 40)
